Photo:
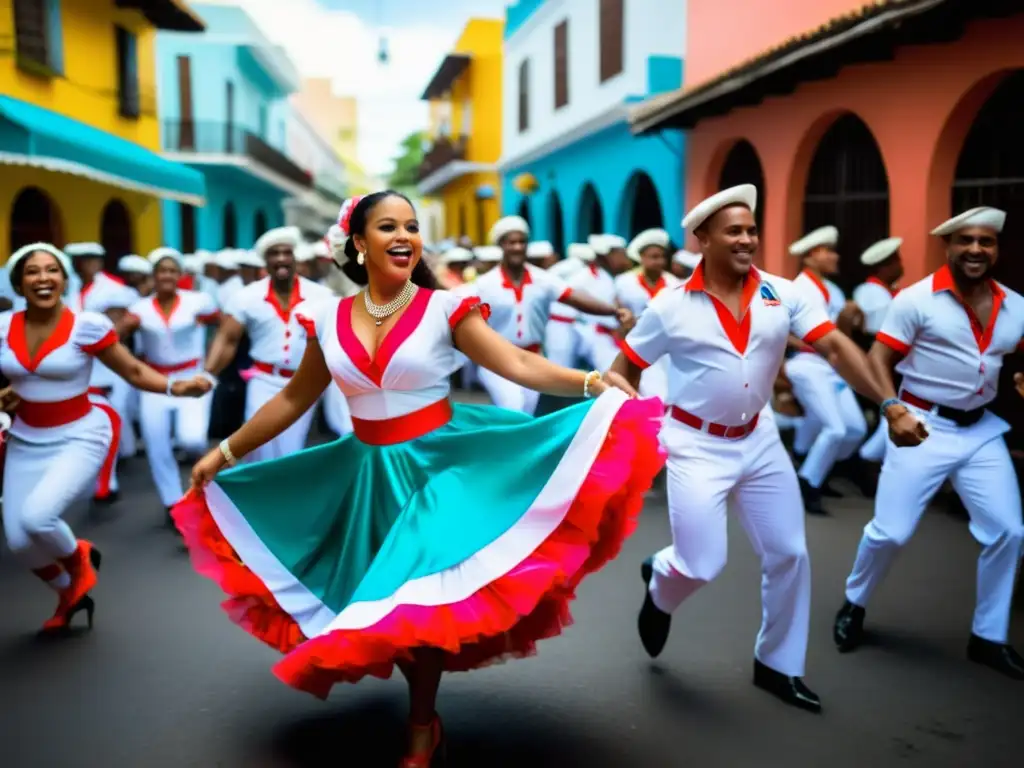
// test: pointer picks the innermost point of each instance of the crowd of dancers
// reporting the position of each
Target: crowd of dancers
(414, 547)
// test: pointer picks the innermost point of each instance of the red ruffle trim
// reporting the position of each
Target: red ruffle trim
(502, 620)
(467, 306)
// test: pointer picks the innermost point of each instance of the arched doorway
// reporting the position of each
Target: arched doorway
(259, 225)
(556, 223)
(116, 233)
(524, 211)
(743, 166)
(590, 220)
(643, 209)
(990, 171)
(229, 228)
(34, 219)
(848, 187)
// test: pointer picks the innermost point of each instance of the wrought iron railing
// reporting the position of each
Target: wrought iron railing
(445, 149)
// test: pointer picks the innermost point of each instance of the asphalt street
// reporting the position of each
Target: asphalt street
(164, 680)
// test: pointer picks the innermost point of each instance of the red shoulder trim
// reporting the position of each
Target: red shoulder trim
(209, 318)
(818, 332)
(893, 343)
(632, 356)
(307, 325)
(467, 306)
(109, 340)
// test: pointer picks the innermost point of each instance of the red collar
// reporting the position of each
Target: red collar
(18, 342)
(737, 331)
(942, 280)
(819, 284)
(160, 311)
(506, 282)
(293, 299)
(594, 269)
(875, 281)
(654, 290)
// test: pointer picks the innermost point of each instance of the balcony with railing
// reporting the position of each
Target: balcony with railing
(210, 138)
(445, 149)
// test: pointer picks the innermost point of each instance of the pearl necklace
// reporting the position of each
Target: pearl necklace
(381, 312)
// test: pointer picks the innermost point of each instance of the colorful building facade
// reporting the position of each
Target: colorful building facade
(336, 118)
(225, 112)
(572, 69)
(881, 118)
(79, 131)
(460, 165)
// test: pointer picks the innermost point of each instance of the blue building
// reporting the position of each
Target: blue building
(224, 110)
(572, 71)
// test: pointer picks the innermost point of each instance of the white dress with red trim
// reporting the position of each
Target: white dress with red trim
(460, 527)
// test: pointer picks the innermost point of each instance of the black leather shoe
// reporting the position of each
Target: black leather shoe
(790, 689)
(812, 498)
(109, 500)
(848, 630)
(653, 623)
(999, 656)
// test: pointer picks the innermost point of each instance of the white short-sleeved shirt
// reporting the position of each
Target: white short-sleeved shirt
(409, 371)
(949, 358)
(634, 293)
(103, 294)
(723, 370)
(176, 341)
(275, 336)
(873, 297)
(61, 367)
(598, 284)
(518, 312)
(226, 291)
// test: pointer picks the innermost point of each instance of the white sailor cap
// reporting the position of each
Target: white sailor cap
(686, 258)
(252, 259)
(646, 239)
(320, 249)
(880, 251)
(191, 264)
(457, 256)
(85, 250)
(290, 236)
(134, 264)
(539, 249)
(744, 194)
(507, 226)
(822, 236)
(304, 253)
(488, 253)
(226, 259)
(604, 244)
(581, 252)
(991, 218)
(205, 257)
(164, 252)
(567, 267)
(57, 253)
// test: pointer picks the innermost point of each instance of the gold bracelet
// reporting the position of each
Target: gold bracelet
(586, 381)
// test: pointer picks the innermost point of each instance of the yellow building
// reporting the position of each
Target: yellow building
(460, 166)
(79, 132)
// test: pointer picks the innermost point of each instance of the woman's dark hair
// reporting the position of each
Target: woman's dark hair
(18, 273)
(421, 273)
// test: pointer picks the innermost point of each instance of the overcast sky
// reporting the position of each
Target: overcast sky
(340, 39)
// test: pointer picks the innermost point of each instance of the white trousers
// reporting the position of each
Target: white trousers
(705, 474)
(106, 480)
(508, 394)
(42, 480)
(977, 462)
(258, 391)
(121, 393)
(562, 343)
(833, 425)
(162, 418)
(873, 448)
(336, 411)
(599, 349)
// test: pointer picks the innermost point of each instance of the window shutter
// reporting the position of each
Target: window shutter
(127, 74)
(524, 96)
(562, 64)
(31, 28)
(611, 33)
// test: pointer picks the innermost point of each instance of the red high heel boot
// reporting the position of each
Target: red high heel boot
(81, 566)
(436, 756)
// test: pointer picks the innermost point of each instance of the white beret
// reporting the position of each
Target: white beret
(290, 236)
(204, 256)
(687, 259)
(823, 236)
(540, 249)
(507, 226)
(191, 264)
(744, 194)
(249, 259)
(158, 254)
(646, 239)
(226, 259)
(488, 253)
(581, 252)
(604, 244)
(304, 253)
(320, 250)
(567, 267)
(57, 253)
(133, 264)
(456, 256)
(990, 218)
(85, 249)
(880, 251)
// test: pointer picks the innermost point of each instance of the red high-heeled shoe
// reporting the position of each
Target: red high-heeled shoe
(436, 756)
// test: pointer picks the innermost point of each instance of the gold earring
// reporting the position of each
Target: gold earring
(360, 259)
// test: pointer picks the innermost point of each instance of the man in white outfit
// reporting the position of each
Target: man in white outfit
(562, 340)
(597, 333)
(725, 332)
(833, 426)
(947, 336)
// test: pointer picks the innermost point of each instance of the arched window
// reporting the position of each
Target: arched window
(34, 219)
(642, 205)
(743, 166)
(590, 220)
(229, 232)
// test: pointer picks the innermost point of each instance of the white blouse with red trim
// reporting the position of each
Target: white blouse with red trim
(873, 297)
(723, 370)
(950, 358)
(410, 370)
(518, 312)
(275, 336)
(178, 338)
(634, 293)
(598, 284)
